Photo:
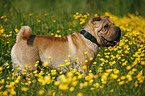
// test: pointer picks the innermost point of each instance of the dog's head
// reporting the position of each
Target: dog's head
(104, 30)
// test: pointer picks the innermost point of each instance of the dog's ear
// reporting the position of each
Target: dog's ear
(97, 18)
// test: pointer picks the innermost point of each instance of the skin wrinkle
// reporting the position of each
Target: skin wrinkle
(107, 30)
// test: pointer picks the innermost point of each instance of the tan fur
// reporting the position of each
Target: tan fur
(24, 33)
(31, 48)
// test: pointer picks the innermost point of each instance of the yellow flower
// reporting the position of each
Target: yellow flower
(112, 63)
(65, 60)
(59, 36)
(36, 65)
(63, 78)
(2, 81)
(1, 68)
(98, 55)
(86, 61)
(37, 62)
(122, 77)
(141, 81)
(53, 72)
(84, 67)
(142, 62)
(68, 56)
(97, 85)
(90, 71)
(104, 82)
(79, 76)
(71, 89)
(70, 29)
(85, 52)
(1, 31)
(114, 76)
(12, 92)
(111, 90)
(58, 31)
(8, 77)
(54, 94)
(41, 92)
(109, 70)
(5, 93)
(77, 13)
(16, 30)
(60, 65)
(74, 83)
(63, 87)
(52, 34)
(94, 63)
(134, 69)
(16, 81)
(5, 19)
(140, 74)
(35, 71)
(69, 74)
(116, 71)
(136, 83)
(49, 57)
(29, 67)
(128, 67)
(96, 14)
(53, 20)
(56, 83)
(101, 87)
(67, 63)
(2, 17)
(47, 79)
(45, 14)
(92, 88)
(24, 89)
(47, 27)
(38, 20)
(30, 14)
(80, 94)
(6, 64)
(45, 64)
(18, 67)
(121, 83)
(71, 69)
(25, 66)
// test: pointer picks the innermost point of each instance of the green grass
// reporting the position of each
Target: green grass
(117, 71)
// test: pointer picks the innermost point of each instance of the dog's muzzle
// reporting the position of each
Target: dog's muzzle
(116, 39)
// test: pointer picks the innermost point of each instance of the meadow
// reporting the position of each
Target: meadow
(117, 71)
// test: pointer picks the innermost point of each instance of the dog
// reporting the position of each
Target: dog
(99, 31)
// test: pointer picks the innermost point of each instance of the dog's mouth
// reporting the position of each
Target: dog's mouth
(109, 43)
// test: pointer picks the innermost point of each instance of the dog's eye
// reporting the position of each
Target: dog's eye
(106, 26)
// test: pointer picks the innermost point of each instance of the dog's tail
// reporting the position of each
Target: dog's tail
(24, 33)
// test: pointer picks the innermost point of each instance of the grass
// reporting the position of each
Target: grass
(117, 71)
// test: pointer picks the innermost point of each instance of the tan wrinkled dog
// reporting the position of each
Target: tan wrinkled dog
(99, 31)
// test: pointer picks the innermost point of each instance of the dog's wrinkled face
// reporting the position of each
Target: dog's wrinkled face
(107, 34)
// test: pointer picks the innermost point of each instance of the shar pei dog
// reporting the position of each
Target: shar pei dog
(99, 31)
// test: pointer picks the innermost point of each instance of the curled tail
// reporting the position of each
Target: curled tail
(24, 33)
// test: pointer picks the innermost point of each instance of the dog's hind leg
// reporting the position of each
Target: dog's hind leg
(15, 62)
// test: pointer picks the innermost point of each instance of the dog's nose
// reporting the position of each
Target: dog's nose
(118, 32)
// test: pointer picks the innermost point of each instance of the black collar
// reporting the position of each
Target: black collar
(89, 36)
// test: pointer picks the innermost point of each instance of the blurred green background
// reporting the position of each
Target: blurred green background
(65, 7)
